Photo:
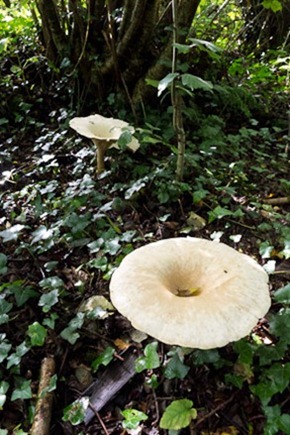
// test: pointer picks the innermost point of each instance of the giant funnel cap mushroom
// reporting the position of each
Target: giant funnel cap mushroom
(105, 133)
(191, 292)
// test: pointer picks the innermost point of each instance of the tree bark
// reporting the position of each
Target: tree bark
(54, 36)
(113, 45)
(186, 10)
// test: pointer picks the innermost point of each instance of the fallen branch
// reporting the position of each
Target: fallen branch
(41, 422)
(277, 201)
(112, 380)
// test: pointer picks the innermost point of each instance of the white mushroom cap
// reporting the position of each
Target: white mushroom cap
(99, 128)
(226, 292)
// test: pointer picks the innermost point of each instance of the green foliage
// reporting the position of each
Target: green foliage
(37, 334)
(104, 358)
(132, 418)
(75, 413)
(150, 360)
(178, 414)
(175, 368)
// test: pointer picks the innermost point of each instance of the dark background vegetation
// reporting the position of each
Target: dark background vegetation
(63, 230)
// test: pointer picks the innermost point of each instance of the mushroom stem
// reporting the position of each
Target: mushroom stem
(102, 147)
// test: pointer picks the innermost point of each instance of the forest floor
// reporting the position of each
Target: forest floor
(70, 230)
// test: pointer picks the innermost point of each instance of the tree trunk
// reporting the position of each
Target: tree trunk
(113, 45)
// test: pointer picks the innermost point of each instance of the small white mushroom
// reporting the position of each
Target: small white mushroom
(105, 133)
(191, 292)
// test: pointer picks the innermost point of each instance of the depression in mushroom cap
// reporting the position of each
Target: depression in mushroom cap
(191, 292)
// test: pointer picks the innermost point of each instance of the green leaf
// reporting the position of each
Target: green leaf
(15, 358)
(112, 246)
(37, 334)
(175, 369)
(41, 233)
(3, 264)
(133, 418)
(193, 82)
(4, 386)
(51, 387)
(201, 357)
(166, 81)
(5, 348)
(150, 360)
(11, 233)
(125, 138)
(279, 324)
(282, 295)
(286, 250)
(104, 358)
(274, 5)
(275, 380)
(69, 333)
(203, 43)
(97, 307)
(50, 321)
(47, 300)
(100, 263)
(265, 249)
(151, 82)
(53, 282)
(75, 413)
(178, 415)
(23, 391)
(218, 213)
(5, 307)
(21, 293)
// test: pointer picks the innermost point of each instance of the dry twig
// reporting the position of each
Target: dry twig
(41, 422)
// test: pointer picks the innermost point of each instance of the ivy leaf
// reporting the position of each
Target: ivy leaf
(286, 250)
(11, 233)
(75, 413)
(53, 282)
(265, 249)
(150, 360)
(178, 415)
(97, 307)
(5, 307)
(112, 246)
(4, 386)
(69, 333)
(282, 295)
(47, 300)
(99, 263)
(51, 387)
(279, 324)
(275, 380)
(175, 369)
(125, 138)
(104, 358)
(15, 358)
(133, 418)
(218, 213)
(23, 391)
(4, 348)
(41, 233)
(21, 293)
(37, 334)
